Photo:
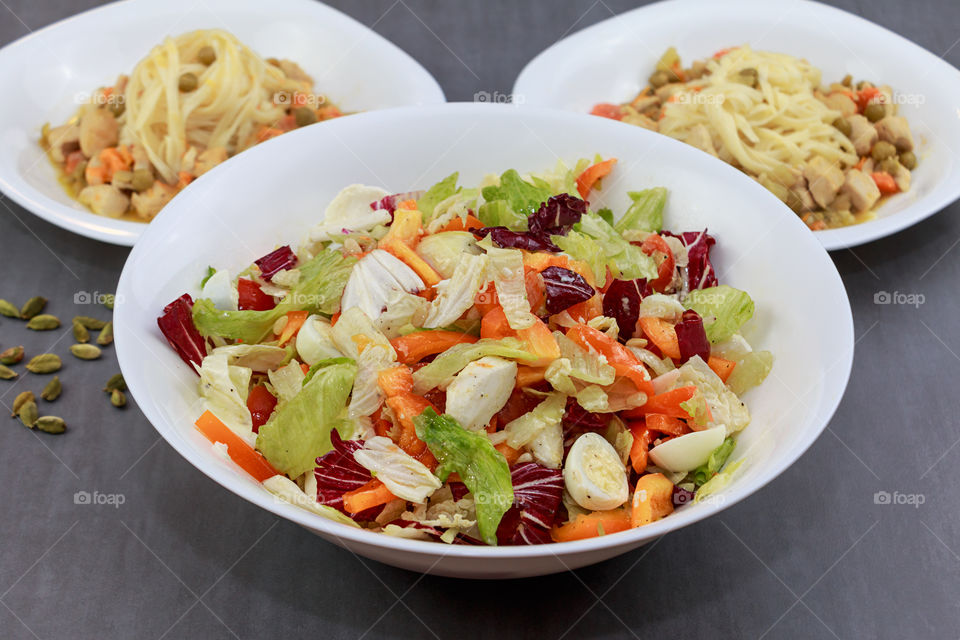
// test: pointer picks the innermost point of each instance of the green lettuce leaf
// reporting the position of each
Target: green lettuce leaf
(318, 290)
(626, 261)
(523, 197)
(714, 463)
(499, 214)
(646, 212)
(437, 194)
(524, 429)
(481, 467)
(750, 371)
(580, 246)
(723, 309)
(299, 431)
(445, 366)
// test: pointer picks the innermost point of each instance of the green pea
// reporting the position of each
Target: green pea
(304, 116)
(188, 82)
(659, 78)
(843, 126)
(207, 56)
(874, 112)
(908, 159)
(882, 150)
(142, 180)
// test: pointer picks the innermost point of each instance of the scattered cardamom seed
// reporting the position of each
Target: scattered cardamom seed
(106, 334)
(85, 351)
(118, 398)
(28, 414)
(6, 373)
(108, 301)
(90, 323)
(44, 322)
(51, 424)
(80, 333)
(115, 382)
(32, 307)
(13, 355)
(22, 398)
(53, 389)
(8, 309)
(44, 363)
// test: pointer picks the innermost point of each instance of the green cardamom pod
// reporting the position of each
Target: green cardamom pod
(28, 414)
(6, 373)
(51, 424)
(53, 389)
(108, 301)
(118, 398)
(115, 382)
(106, 334)
(80, 333)
(22, 398)
(85, 351)
(8, 309)
(44, 363)
(90, 323)
(44, 322)
(32, 307)
(13, 355)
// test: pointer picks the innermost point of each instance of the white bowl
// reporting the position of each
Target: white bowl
(232, 215)
(610, 62)
(47, 73)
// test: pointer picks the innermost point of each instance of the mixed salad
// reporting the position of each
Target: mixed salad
(490, 365)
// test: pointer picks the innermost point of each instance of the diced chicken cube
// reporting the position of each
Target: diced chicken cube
(105, 200)
(824, 180)
(140, 158)
(902, 177)
(209, 159)
(148, 203)
(480, 390)
(862, 190)
(896, 131)
(842, 103)
(862, 134)
(98, 130)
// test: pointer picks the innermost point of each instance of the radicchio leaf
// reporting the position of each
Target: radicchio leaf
(275, 261)
(177, 327)
(700, 272)
(337, 472)
(622, 303)
(681, 496)
(389, 203)
(507, 239)
(537, 492)
(565, 288)
(692, 337)
(577, 418)
(555, 217)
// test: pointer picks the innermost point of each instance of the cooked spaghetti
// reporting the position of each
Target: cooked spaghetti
(191, 103)
(828, 153)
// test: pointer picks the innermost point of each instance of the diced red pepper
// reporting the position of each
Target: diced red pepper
(252, 296)
(261, 404)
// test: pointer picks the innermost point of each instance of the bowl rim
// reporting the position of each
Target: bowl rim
(836, 376)
(127, 232)
(946, 190)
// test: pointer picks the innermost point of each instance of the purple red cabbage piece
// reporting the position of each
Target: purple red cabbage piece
(338, 472)
(276, 261)
(700, 271)
(692, 337)
(622, 303)
(537, 493)
(681, 496)
(176, 324)
(555, 217)
(389, 203)
(564, 288)
(577, 418)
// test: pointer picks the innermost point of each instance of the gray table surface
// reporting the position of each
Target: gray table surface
(813, 555)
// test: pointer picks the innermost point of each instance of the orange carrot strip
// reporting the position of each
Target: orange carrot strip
(662, 334)
(416, 346)
(591, 525)
(372, 494)
(721, 366)
(246, 457)
(590, 175)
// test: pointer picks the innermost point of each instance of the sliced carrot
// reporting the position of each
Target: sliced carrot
(372, 494)
(96, 174)
(407, 205)
(667, 403)
(113, 160)
(721, 366)
(885, 182)
(486, 299)
(591, 525)
(418, 345)
(183, 179)
(527, 376)
(662, 334)
(667, 424)
(865, 96)
(508, 452)
(264, 133)
(642, 439)
(295, 320)
(624, 363)
(395, 381)
(860, 163)
(590, 176)
(459, 224)
(409, 257)
(652, 499)
(245, 456)
(327, 113)
(607, 110)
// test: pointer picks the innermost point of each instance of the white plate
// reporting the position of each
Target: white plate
(610, 62)
(45, 74)
(232, 216)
